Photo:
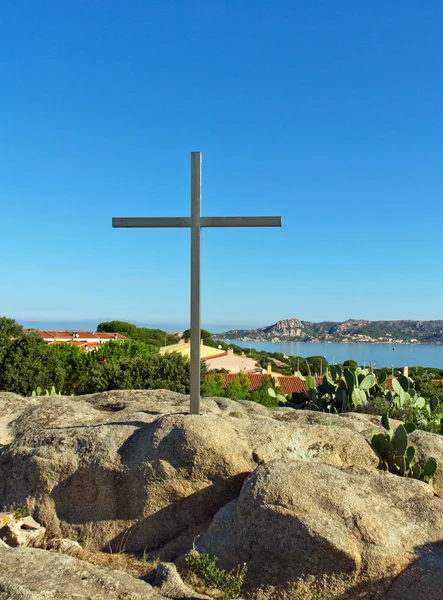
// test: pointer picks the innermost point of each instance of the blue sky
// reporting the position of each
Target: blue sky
(327, 113)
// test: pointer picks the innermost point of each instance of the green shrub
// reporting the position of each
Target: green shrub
(263, 395)
(238, 388)
(213, 385)
(204, 567)
(352, 364)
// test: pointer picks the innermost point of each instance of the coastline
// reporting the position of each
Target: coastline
(382, 354)
(315, 341)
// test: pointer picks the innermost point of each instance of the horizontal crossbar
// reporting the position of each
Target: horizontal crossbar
(151, 222)
(204, 222)
(240, 221)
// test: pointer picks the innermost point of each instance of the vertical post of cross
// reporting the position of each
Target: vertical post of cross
(196, 162)
(196, 222)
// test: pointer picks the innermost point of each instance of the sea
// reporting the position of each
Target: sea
(379, 355)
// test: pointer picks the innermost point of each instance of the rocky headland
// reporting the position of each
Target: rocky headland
(296, 495)
(352, 330)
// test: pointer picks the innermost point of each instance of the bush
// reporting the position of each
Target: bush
(238, 388)
(352, 364)
(214, 384)
(262, 396)
(29, 363)
(204, 568)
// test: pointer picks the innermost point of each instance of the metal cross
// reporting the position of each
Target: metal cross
(196, 222)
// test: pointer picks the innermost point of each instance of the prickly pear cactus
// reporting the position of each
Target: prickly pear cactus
(396, 456)
(434, 403)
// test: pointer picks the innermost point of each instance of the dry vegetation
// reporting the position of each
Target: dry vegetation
(304, 589)
(133, 565)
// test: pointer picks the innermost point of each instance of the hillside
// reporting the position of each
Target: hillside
(352, 330)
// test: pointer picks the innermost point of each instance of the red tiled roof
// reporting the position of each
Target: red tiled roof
(45, 334)
(83, 334)
(54, 334)
(292, 384)
(288, 384)
(215, 355)
(68, 334)
(255, 379)
(104, 335)
(79, 336)
(389, 383)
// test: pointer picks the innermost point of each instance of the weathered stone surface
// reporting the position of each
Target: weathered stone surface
(326, 444)
(34, 574)
(309, 518)
(64, 545)
(29, 522)
(11, 406)
(288, 492)
(423, 580)
(96, 466)
(170, 583)
(24, 532)
(428, 445)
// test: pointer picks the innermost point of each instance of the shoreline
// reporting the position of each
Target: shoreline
(396, 343)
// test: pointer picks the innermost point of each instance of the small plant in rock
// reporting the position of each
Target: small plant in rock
(204, 567)
(145, 556)
(121, 545)
(47, 393)
(397, 456)
(20, 511)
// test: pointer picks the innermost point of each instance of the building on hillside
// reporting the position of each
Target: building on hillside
(214, 358)
(231, 362)
(85, 340)
(184, 348)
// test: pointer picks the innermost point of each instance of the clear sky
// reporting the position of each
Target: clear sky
(329, 113)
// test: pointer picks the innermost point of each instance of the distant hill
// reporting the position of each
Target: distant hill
(352, 330)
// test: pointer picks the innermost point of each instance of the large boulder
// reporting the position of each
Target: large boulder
(134, 469)
(295, 518)
(33, 574)
(292, 493)
(423, 580)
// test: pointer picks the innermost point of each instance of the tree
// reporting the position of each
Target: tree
(29, 363)
(317, 364)
(261, 395)
(117, 327)
(350, 364)
(9, 329)
(238, 388)
(156, 337)
(115, 350)
(206, 336)
(214, 384)
(74, 362)
(153, 371)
